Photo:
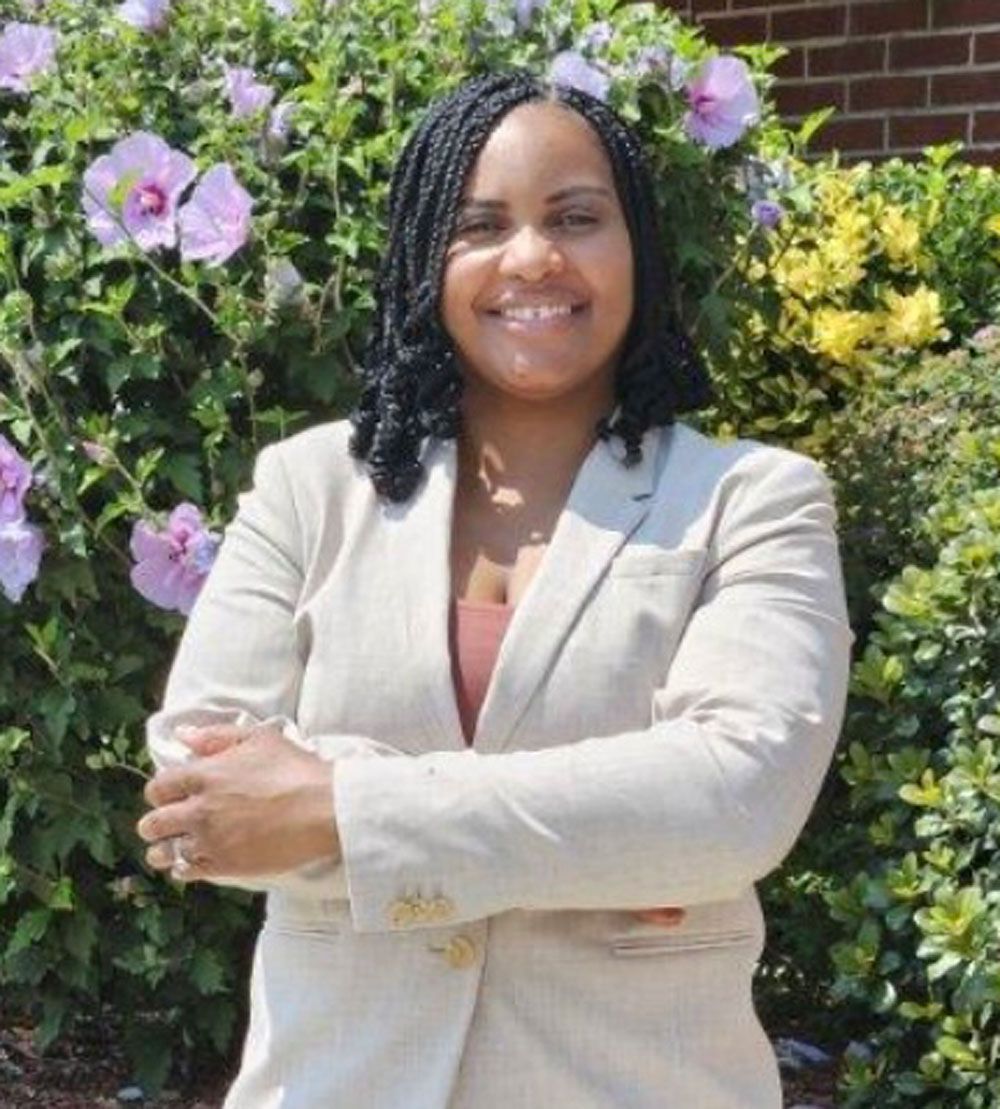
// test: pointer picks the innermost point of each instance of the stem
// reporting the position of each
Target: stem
(24, 387)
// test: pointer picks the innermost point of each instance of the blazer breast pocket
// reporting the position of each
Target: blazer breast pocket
(648, 561)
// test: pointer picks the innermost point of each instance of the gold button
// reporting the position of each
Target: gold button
(441, 908)
(403, 912)
(460, 952)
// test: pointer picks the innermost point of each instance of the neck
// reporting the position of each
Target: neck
(531, 449)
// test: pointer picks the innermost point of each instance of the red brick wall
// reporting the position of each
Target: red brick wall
(901, 73)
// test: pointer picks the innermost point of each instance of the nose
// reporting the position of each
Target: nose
(530, 256)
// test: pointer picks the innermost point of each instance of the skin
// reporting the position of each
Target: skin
(541, 223)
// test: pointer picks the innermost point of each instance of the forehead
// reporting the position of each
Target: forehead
(539, 147)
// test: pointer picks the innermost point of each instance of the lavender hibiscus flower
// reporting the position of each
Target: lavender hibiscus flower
(215, 222)
(274, 138)
(723, 102)
(524, 11)
(21, 547)
(768, 213)
(661, 64)
(15, 481)
(595, 37)
(171, 565)
(132, 192)
(247, 96)
(570, 68)
(21, 543)
(25, 50)
(145, 15)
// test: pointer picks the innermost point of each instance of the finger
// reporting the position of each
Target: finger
(164, 822)
(666, 916)
(214, 737)
(170, 785)
(162, 856)
(207, 745)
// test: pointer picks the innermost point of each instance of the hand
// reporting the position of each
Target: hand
(259, 805)
(667, 916)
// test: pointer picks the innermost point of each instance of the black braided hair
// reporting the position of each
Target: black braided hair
(411, 381)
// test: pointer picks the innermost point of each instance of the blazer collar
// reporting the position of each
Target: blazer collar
(606, 503)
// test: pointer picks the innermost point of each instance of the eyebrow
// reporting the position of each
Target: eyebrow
(554, 198)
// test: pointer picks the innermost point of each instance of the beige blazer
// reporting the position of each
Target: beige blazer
(663, 709)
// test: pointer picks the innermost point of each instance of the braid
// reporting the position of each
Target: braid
(412, 384)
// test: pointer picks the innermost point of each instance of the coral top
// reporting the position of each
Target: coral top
(476, 629)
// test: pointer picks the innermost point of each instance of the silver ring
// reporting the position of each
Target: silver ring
(181, 864)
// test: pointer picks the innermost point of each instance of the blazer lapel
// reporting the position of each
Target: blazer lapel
(418, 559)
(606, 504)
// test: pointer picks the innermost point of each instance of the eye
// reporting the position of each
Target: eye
(478, 227)
(575, 219)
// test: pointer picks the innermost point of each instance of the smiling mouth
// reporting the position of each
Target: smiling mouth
(537, 314)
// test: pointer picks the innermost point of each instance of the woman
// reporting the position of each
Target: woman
(568, 658)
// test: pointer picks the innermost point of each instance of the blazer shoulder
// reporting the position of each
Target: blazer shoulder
(315, 462)
(323, 444)
(735, 462)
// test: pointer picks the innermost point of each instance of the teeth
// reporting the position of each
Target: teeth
(546, 312)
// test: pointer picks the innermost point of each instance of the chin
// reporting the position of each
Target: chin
(539, 385)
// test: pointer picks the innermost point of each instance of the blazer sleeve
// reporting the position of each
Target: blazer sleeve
(238, 660)
(693, 809)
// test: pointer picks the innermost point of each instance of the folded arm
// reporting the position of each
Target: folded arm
(239, 660)
(693, 809)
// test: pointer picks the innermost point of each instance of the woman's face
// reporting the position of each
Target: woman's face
(538, 284)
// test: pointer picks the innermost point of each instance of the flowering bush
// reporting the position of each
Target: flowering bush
(864, 266)
(916, 891)
(191, 205)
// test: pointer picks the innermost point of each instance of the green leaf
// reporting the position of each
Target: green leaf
(184, 473)
(30, 928)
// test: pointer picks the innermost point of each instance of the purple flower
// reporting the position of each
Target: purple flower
(524, 11)
(660, 63)
(283, 285)
(247, 96)
(215, 222)
(570, 68)
(15, 481)
(145, 15)
(723, 102)
(133, 192)
(96, 452)
(274, 137)
(595, 37)
(25, 49)
(987, 338)
(21, 546)
(171, 565)
(768, 213)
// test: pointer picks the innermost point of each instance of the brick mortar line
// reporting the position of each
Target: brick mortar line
(889, 74)
(904, 113)
(888, 113)
(765, 8)
(863, 36)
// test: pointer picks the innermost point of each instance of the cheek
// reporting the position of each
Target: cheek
(457, 295)
(609, 262)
